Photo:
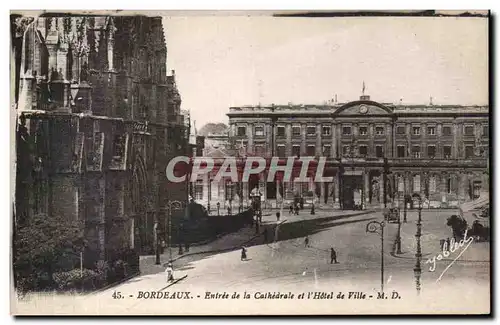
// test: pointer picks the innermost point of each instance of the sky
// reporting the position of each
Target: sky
(224, 61)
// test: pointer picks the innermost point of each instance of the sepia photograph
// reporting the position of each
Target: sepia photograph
(243, 163)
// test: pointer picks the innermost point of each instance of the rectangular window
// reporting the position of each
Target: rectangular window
(416, 130)
(259, 130)
(469, 130)
(281, 151)
(431, 130)
(242, 131)
(447, 130)
(447, 152)
(401, 151)
(311, 130)
(363, 151)
(416, 183)
(346, 130)
(327, 150)
(379, 130)
(400, 130)
(326, 130)
(259, 149)
(477, 189)
(311, 150)
(379, 151)
(415, 150)
(229, 191)
(486, 131)
(296, 130)
(198, 190)
(401, 184)
(448, 185)
(431, 151)
(363, 130)
(296, 150)
(281, 131)
(432, 184)
(469, 151)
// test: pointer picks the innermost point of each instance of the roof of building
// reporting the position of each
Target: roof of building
(337, 107)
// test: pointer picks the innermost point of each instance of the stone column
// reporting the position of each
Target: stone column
(303, 127)
(454, 150)
(336, 189)
(334, 140)
(250, 148)
(381, 189)
(366, 190)
(439, 147)
(389, 150)
(462, 183)
(319, 146)
(288, 132)
(268, 128)
(371, 135)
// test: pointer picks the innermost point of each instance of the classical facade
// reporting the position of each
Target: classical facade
(377, 153)
(98, 121)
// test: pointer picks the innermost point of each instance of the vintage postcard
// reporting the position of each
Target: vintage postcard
(250, 163)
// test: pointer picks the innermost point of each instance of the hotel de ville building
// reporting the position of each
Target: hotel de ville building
(377, 154)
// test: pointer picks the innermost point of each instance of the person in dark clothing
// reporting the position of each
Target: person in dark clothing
(306, 242)
(265, 235)
(291, 208)
(296, 209)
(278, 216)
(333, 256)
(243, 253)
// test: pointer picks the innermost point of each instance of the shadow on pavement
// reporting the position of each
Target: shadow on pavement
(287, 231)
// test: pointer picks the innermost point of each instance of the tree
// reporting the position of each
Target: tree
(214, 128)
(44, 245)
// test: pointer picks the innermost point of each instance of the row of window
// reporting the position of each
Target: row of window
(229, 189)
(362, 151)
(363, 130)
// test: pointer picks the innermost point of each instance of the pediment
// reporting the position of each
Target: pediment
(363, 108)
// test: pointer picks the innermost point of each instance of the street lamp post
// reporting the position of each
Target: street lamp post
(418, 270)
(377, 227)
(404, 198)
(157, 244)
(209, 194)
(398, 243)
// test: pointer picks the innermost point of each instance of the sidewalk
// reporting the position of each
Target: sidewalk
(224, 243)
(434, 229)
(231, 241)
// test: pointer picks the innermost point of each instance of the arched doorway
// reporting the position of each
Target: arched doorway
(142, 238)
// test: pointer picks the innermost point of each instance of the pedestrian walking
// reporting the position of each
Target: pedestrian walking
(243, 253)
(291, 209)
(278, 216)
(296, 209)
(306, 242)
(169, 272)
(333, 256)
(441, 243)
(265, 235)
